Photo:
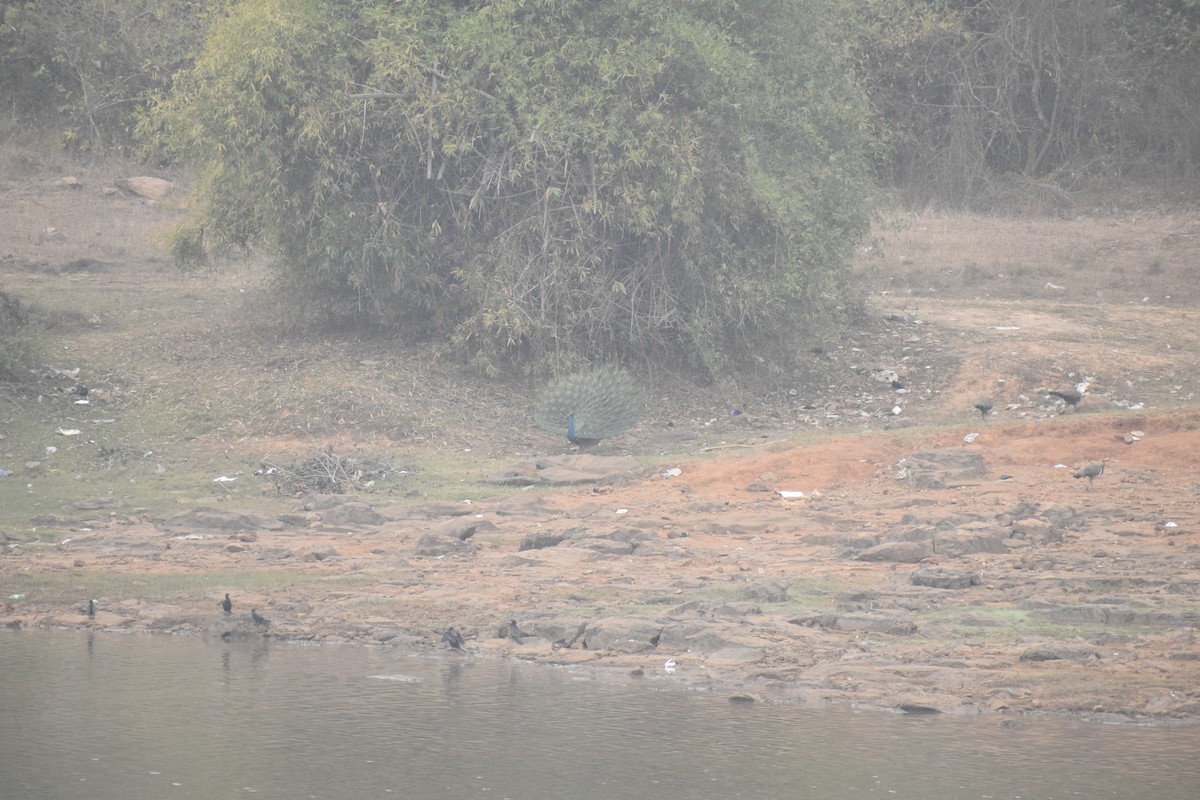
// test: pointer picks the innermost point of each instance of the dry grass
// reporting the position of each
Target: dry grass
(1130, 257)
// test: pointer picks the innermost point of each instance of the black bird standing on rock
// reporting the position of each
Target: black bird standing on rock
(259, 619)
(984, 406)
(1069, 396)
(514, 633)
(227, 604)
(590, 406)
(454, 639)
(91, 609)
(1091, 472)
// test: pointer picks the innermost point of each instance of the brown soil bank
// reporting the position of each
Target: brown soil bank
(916, 574)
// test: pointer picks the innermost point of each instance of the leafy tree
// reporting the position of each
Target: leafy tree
(540, 181)
(1159, 119)
(973, 93)
(94, 62)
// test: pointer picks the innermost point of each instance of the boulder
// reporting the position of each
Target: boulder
(622, 635)
(353, 513)
(944, 578)
(463, 528)
(145, 186)
(440, 544)
(899, 552)
(942, 469)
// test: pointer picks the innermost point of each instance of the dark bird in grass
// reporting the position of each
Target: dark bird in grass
(590, 406)
(259, 619)
(82, 391)
(227, 604)
(1069, 396)
(1091, 472)
(91, 612)
(984, 406)
(454, 639)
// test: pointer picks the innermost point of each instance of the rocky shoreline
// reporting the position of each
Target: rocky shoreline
(922, 581)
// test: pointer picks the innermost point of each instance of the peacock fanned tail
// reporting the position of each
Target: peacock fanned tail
(603, 402)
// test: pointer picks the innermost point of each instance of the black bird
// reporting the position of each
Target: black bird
(1091, 472)
(227, 604)
(259, 619)
(82, 391)
(1069, 396)
(514, 633)
(984, 406)
(91, 609)
(454, 639)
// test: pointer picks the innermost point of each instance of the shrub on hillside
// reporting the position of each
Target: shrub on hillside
(538, 184)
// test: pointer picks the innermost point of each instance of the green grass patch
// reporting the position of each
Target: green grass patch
(1005, 624)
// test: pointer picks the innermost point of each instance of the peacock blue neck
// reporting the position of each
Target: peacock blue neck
(574, 438)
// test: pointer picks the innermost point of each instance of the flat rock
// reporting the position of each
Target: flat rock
(944, 578)
(145, 186)
(872, 623)
(767, 592)
(956, 544)
(941, 469)
(700, 636)
(734, 657)
(622, 634)
(275, 554)
(463, 528)
(1036, 531)
(585, 468)
(440, 544)
(352, 513)
(321, 554)
(539, 541)
(735, 610)
(606, 546)
(524, 474)
(565, 631)
(211, 519)
(1060, 652)
(899, 552)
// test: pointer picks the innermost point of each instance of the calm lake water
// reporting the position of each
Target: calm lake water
(129, 717)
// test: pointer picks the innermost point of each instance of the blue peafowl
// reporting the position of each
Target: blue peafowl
(590, 406)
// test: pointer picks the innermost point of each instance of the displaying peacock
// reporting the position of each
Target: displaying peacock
(590, 406)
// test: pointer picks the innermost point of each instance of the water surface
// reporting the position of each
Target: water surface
(133, 716)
